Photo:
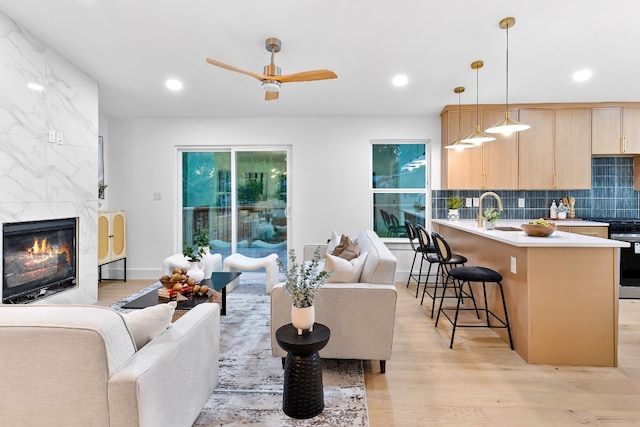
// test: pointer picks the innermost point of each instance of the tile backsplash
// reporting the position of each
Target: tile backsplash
(611, 196)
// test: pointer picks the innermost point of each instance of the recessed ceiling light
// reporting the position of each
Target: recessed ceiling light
(35, 86)
(582, 75)
(400, 80)
(173, 84)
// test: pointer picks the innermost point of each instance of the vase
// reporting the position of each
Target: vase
(453, 215)
(208, 261)
(196, 273)
(303, 318)
(489, 225)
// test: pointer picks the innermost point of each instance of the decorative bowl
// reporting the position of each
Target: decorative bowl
(538, 230)
(168, 283)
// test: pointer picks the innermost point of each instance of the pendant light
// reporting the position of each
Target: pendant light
(508, 125)
(458, 145)
(478, 137)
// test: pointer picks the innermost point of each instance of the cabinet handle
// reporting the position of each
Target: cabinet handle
(555, 180)
(589, 234)
(624, 144)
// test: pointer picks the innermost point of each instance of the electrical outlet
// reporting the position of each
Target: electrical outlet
(513, 265)
(476, 202)
(59, 137)
(469, 202)
(157, 196)
(521, 202)
(52, 136)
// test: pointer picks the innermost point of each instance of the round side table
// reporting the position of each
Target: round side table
(303, 395)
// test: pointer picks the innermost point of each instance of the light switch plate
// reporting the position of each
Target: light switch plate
(469, 202)
(521, 202)
(476, 202)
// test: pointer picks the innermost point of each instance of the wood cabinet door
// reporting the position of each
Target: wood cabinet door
(104, 254)
(606, 130)
(535, 149)
(499, 157)
(631, 130)
(464, 168)
(118, 236)
(573, 148)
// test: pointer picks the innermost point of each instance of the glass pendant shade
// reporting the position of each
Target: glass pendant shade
(508, 125)
(458, 144)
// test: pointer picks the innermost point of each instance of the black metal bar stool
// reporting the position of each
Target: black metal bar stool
(445, 259)
(467, 275)
(419, 249)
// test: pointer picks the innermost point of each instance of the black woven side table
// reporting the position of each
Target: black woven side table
(303, 395)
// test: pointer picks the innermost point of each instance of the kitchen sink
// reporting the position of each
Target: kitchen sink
(508, 228)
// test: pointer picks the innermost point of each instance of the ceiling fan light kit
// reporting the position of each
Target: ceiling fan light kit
(271, 78)
(507, 126)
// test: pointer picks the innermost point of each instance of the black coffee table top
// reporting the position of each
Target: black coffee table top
(218, 282)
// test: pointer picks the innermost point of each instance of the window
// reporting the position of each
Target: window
(398, 185)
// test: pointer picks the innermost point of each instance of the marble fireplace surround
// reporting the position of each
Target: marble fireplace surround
(41, 180)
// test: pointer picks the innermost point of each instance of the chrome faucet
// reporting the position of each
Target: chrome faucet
(488, 193)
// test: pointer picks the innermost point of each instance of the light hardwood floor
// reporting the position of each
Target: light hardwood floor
(481, 382)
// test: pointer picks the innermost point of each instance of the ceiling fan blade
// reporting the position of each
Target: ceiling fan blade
(260, 77)
(270, 96)
(305, 76)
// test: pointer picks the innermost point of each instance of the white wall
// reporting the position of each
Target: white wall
(329, 184)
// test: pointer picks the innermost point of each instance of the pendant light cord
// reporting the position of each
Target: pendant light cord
(477, 90)
(507, 79)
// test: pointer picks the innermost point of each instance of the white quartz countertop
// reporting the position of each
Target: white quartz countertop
(520, 239)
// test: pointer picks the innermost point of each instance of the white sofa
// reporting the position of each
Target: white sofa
(360, 316)
(78, 366)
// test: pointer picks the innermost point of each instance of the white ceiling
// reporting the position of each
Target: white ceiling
(131, 46)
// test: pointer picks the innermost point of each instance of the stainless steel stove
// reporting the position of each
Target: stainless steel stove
(627, 230)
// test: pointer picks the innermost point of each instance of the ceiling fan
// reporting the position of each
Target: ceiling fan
(271, 78)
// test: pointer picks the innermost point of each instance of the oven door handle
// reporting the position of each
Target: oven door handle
(631, 238)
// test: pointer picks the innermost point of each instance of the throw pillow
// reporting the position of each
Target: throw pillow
(335, 241)
(347, 249)
(344, 271)
(146, 324)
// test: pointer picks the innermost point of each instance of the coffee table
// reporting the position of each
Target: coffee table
(218, 281)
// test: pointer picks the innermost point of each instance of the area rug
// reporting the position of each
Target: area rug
(249, 390)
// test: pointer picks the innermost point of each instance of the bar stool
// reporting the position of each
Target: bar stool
(419, 249)
(466, 275)
(445, 263)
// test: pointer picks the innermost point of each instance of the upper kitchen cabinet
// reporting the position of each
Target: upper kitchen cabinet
(573, 148)
(492, 165)
(555, 153)
(461, 170)
(536, 170)
(615, 130)
(499, 157)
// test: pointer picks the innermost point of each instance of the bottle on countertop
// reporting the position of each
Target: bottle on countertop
(553, 210)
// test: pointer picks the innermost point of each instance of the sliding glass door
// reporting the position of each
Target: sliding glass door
(239, 196)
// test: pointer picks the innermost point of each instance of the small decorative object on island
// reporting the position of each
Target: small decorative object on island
(196, 273)
(303, 282)
(491, 216)
(454, 203)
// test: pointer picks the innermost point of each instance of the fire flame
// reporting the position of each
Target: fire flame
(42, 248)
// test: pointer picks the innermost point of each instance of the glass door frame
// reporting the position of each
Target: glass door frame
(233, 150)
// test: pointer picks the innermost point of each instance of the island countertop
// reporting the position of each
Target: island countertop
(520, 239)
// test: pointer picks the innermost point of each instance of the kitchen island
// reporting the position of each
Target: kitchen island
(561, 291)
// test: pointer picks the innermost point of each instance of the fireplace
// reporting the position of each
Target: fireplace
(39, 258)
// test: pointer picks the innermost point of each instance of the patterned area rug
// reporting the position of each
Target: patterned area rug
(250, 386)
